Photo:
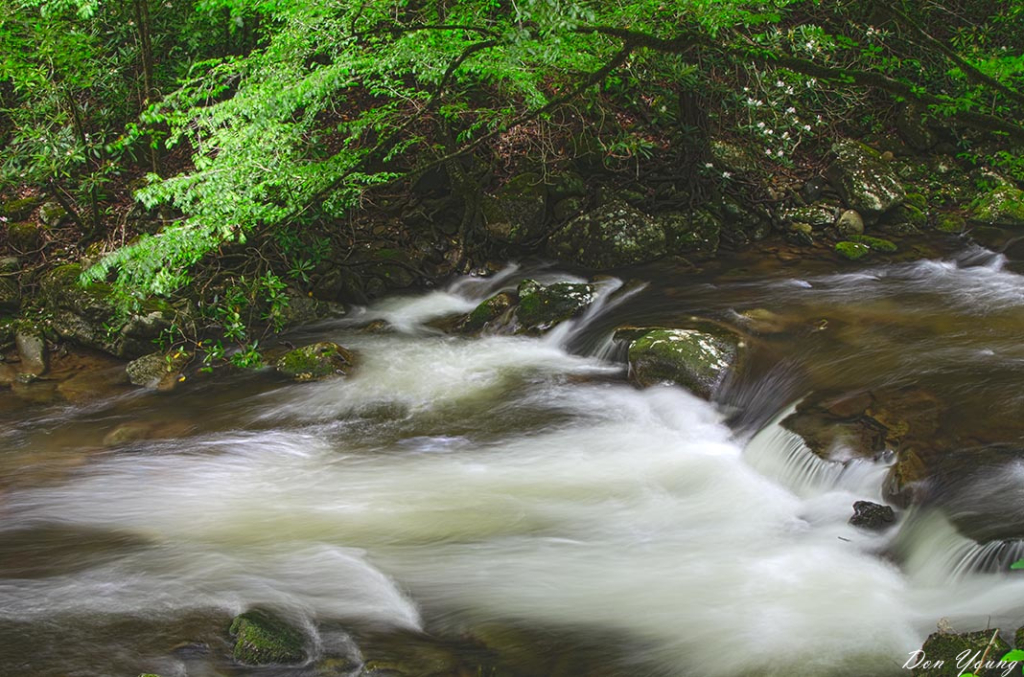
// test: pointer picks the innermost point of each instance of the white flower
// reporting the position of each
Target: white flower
(807, 128)
(780, 83)
(785, 135)
(769, 132)
(708, 165)
(791, 110)
(726, 175)
(760, 125)
(779, 152)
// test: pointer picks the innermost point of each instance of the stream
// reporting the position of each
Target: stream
(519, 494)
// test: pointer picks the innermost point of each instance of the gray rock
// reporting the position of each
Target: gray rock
(866, 182)
(872, 516)
(610, 236)
(696, 359)
(850, 223)
(158, 371)
(32, 351)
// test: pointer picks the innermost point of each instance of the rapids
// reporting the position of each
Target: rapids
(451, 483)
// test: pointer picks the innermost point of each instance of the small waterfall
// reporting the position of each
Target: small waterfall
(783, 456)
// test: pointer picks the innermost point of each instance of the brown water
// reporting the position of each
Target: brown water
(514, 503)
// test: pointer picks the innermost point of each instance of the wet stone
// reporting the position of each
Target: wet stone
(873, 516)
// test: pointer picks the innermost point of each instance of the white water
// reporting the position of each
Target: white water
(492, 479)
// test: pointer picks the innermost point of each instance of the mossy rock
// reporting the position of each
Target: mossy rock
(18, 210)
(262, 638)
(951, 223)
(610, 236)
(816, 216)
(852, 251)
(542, 307)
(876, 244)
(865, 180)
(695, 231)
(24, 236)
(695, 359)
(1001, 206)
(316, 362)
(941, 651)
(489, 310)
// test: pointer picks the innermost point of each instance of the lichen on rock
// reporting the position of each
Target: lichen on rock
(696, 359)
(610, 236)
(542, 307)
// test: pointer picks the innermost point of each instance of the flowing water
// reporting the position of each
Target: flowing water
(518, 493)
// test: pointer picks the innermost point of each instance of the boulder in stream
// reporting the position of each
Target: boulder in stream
(316, 362)
(873, 516)
(263, 638)
(542, 307)
(488, 311)
(696, 359)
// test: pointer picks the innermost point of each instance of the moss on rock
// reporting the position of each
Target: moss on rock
(262, 638)
(697, 360)
(542, 307)
(852, 251)
(610, 236)
(316, 362)
(867, 183)
(876, 244)
(1001, 206)
(488, 311)
(951, 223)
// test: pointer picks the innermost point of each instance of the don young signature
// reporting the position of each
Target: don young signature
(968, 662)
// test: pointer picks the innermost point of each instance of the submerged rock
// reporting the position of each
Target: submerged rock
(697, 360)
(262, 638)
(946, 654)
(610, 236)
(316, 362)
(872, 516)
(542, 307)
(866, 182)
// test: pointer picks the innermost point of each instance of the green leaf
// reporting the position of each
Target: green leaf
(1013, 656)
(1019, 564)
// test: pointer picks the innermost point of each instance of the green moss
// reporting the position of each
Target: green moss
(488, 311)
(1002, 206)
(852, 251)
(951, 223)
(916, 200)
(875, 243)
(541, 308)
(696, 360)
(315, 362)
(262, 638)
(16, 210)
